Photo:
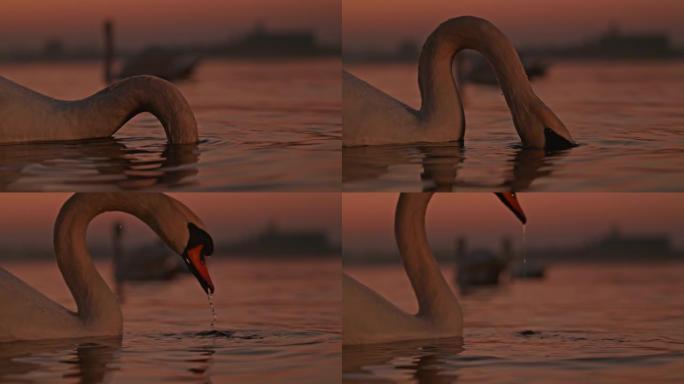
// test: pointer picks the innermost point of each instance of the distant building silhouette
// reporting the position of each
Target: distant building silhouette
(262, 42)
(616, 243)
(614, 246)
(615, 43)
(273, 241)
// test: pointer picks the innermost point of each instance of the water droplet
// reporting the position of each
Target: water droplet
(524, 243)
(213, 311)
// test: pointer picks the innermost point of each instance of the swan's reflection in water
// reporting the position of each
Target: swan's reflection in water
(412, 361)
(443, 167)
(81, 361)
(97, 164)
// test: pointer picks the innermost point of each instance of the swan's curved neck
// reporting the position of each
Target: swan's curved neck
(103, 113)
(435, 298)
(439, 92)
(97, 305)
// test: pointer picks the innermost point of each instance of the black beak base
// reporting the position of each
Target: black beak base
(555, 142)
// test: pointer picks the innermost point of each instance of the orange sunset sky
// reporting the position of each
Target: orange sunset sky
(553, 218)
(140, 22)
(28, 218)
(382, 24)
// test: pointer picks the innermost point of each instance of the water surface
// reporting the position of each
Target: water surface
(627, 117)
(608, 323)
(277, 321)
(262, 125)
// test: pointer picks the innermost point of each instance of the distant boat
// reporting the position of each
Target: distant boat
(155, 61)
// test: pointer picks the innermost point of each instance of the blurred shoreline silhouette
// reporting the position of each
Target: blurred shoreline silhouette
(613, 44)
(260, 42)
(271, 241)
(274, 241)
(611, 246)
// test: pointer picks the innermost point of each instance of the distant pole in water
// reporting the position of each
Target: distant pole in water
(109, 51)
(117, 234)
(460, 249)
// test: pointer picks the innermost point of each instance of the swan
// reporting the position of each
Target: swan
(148, 262)
(372, 117)
(369, 318)
(29, 315)
(28, 116)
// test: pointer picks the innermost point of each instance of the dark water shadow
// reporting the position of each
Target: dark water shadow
(441, 164)
(82, 360)
(102, 164)
(214, 334)
(424, 361)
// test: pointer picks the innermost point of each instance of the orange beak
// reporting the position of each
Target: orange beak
(198, 267)
(511, 201)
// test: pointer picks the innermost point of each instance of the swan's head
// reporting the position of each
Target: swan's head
(542, 129)
(183, 231)
(510, 200)
(199, 245)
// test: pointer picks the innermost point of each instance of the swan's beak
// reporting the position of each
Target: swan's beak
(200, 245)
(557, 141)
(198, 266)
(511, 201)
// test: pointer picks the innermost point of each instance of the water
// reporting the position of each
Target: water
(267, 331)
(627, 117)
(263, 126)
(608, 323)
(212, 307)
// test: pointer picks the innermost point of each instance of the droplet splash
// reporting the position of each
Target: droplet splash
(213, 311)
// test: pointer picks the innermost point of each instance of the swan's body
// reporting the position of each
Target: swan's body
(370, 318)
(29, 315)
(372, 117)
(28, 116)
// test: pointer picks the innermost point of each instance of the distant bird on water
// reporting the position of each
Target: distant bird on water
(153, 61)
(147, 263)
